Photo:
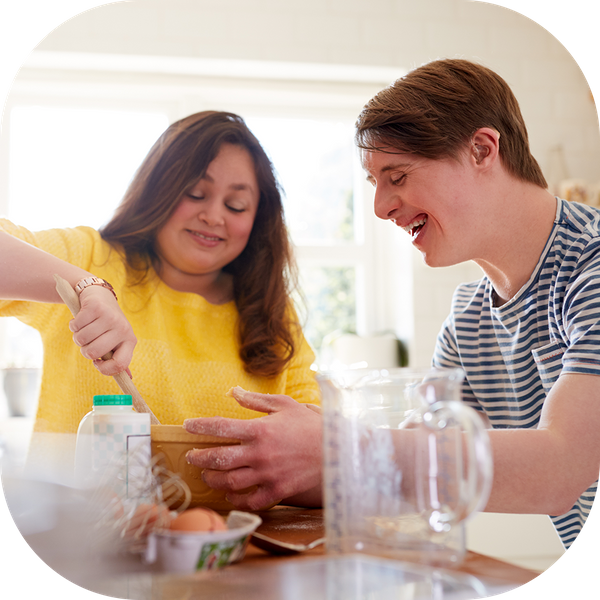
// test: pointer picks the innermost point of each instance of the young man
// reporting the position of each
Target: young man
(447, 151)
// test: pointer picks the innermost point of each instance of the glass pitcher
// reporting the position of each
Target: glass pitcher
(405, 463)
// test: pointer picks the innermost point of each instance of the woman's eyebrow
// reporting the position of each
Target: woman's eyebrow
(233, 186)
(241, 186)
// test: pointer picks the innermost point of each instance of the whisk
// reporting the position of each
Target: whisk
(125, 509)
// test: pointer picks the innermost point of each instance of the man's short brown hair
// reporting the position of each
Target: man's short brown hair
(435, 109)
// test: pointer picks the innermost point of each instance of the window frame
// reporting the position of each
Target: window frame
(250, 94)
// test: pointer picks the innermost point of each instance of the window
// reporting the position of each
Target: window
(315, 163)
(70, 166)
(74, 147)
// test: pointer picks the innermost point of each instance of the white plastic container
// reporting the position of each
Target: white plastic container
(189, 551)
(113, 447)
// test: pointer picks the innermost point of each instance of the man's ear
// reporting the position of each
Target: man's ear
(485, 146)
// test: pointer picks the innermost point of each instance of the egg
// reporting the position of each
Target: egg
(198, 519)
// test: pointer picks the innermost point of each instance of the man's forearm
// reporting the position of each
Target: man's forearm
(534, 473)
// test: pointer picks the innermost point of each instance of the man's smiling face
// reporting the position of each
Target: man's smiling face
(432, 200)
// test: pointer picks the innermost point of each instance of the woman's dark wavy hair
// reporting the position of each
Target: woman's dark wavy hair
(264, 274)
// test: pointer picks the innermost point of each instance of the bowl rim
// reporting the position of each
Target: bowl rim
(177, 434)
(243, 523)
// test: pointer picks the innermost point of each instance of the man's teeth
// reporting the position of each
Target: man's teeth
(415, 225)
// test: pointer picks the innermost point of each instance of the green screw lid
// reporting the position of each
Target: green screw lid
(113, 400)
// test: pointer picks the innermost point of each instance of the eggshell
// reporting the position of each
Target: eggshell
(198, 519)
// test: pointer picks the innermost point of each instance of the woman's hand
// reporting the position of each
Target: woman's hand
(100, 328)
(280, 453)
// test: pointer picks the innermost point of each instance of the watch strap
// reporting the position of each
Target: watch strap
(87, 281)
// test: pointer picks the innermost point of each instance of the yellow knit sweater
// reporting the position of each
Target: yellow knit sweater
(187, 354)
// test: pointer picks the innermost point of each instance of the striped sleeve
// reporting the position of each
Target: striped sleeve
(581, 317)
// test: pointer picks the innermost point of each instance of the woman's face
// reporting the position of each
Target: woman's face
(212, 223)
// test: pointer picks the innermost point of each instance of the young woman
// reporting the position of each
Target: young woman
(199, 259)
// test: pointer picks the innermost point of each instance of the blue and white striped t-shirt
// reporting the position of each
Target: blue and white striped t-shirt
(513, 354)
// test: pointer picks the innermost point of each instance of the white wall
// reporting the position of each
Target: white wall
(552, 90)
(553, 93)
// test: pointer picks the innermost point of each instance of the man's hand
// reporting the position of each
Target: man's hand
(280, 453)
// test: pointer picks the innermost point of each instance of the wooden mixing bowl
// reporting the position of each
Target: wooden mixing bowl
(170, 444)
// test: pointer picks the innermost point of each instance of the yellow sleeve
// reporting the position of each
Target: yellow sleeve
(74, 245)
(80, 246)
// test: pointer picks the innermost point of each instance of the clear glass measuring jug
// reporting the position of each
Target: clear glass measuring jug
(405, 463)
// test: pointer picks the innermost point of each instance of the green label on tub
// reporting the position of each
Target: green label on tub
(219, 554)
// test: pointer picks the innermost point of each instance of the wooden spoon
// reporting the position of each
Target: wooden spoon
(71, 299)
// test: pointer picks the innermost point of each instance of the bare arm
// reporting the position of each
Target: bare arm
(541, 470)
(27, 273)
(545, 470)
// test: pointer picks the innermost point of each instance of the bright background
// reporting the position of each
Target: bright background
(96, 91)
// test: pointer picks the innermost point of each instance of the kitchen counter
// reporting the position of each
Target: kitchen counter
(314, 574)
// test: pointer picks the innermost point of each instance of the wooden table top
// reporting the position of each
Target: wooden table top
(315, 575)
(302, 526)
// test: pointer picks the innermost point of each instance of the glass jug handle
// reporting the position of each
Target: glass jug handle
(454, 464)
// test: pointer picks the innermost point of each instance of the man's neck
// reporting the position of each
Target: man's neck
(522, 227)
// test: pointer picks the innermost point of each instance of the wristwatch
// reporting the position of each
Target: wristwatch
(87, 281)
